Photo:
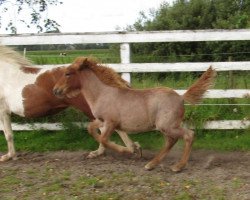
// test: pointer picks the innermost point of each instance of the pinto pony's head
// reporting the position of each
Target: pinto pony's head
(69, 84)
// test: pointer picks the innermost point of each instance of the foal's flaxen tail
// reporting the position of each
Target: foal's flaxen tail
(196, 91)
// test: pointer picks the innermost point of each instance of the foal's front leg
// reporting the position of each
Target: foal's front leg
(93, 130)
(134, 147)
(107, 129)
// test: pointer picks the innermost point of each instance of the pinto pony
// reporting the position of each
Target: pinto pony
(28, 92)
(117, 107)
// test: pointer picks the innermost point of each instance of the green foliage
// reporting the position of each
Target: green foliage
(35, 9)
(194, 15)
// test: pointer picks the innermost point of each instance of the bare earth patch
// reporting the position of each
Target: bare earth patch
(70, 175)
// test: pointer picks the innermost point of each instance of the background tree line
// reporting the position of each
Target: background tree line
(194, 15)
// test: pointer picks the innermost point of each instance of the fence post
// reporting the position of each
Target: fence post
(125, 59)
(24, 52)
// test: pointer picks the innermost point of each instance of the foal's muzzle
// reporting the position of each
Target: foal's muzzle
(58, 92)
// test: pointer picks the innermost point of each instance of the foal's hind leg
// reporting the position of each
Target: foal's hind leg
(170, 142)
(5, 119)
(188, 136)
(173, 134)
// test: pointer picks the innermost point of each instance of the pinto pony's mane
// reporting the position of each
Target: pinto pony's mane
(10, 56)
(106, 74)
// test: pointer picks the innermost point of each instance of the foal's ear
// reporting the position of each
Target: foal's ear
(83, 64)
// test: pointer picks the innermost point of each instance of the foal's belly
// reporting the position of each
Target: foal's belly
(134, 113)
(136, 128)
(136, 123)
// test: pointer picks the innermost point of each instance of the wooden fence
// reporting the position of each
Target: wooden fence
(126, 67)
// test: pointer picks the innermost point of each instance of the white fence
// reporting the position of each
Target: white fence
(126, 67)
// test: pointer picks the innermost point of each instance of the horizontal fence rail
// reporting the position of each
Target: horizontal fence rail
(126, 37)
(181, 67)
(172, 67)
(220, 124)
(218, 94)
(126, 67)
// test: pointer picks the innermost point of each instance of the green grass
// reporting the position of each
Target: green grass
(223, 140)
(177, 80)
(42, 141)
(53, 57)
(79, 139)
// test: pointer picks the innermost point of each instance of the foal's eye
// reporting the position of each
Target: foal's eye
(67, 74)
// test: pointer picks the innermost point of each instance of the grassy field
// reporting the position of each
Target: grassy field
(53, 57)
(73, 138)
(78, 139)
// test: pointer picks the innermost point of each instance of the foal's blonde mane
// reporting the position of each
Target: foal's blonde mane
(9, 55)
(106, 74)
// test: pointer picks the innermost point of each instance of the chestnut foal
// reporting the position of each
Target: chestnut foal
(117, 107)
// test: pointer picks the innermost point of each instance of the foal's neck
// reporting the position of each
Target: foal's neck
(91, 86)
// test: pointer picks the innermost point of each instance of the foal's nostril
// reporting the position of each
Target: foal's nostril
(56, 92)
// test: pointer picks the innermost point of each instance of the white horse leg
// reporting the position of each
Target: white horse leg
(5, 119)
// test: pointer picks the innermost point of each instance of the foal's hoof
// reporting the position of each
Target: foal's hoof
(149, 166)
(138, 149)
(176, 168)
(94, 154)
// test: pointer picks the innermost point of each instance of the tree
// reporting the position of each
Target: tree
(36, 10)
(193, 15)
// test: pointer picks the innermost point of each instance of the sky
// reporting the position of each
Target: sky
(94, 15)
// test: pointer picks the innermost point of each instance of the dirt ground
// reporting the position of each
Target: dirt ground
(70, 175)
